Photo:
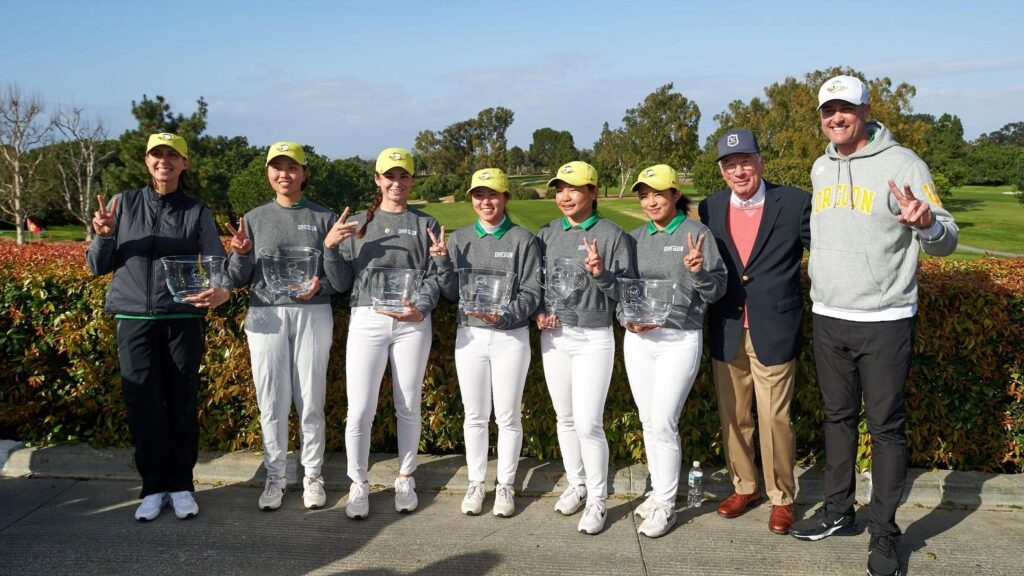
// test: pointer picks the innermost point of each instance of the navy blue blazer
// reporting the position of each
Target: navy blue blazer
(770, 282)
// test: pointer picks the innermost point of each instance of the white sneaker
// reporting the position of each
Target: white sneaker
(644, 510)
(313, 494)
(273, 491)
(473, 502)
(571, 500)
(358, 505)
(151, 506)
(592, 521)
(504, 501)
(405, 494)
(185, 505)
(659, 522)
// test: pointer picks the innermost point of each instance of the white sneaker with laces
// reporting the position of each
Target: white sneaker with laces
(185, 505)
(473, 502)
(151, 506)
(571, 500)
(644, 510)
(504, 501)
(358, 505)
(405, 494)
(660, 521)
(592, 521)
(313, 494)
(273, 492)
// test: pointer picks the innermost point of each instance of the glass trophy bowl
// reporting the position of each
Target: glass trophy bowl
(561, 279)
(390, 288)
(289, 269)
(646, 301)
(485, 291)
(193, 274)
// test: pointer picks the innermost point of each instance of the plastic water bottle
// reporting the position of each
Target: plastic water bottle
(696, 494)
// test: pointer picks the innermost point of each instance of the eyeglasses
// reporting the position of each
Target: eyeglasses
(733, 166)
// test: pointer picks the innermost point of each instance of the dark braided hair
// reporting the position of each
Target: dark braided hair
(369, 214)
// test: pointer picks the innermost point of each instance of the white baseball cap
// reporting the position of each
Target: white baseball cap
(845, 88)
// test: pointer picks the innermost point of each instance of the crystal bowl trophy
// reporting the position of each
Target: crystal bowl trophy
(193, 274)
(644, 301)
(289, 269)
(485, 291)
(390, 288)
(561, 279)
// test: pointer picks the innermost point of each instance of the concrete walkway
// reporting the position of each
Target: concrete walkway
(68, 510)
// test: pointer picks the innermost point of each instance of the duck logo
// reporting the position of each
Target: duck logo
(732, 140)
(649, 173)
(396, 155)
(567, 169)
(166, 136)
(283, 148)
(485, 175)
(836, 86)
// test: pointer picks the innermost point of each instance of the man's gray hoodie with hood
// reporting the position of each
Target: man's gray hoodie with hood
(862, 258)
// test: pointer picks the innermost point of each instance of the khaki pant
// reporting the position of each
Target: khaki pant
(739, 383)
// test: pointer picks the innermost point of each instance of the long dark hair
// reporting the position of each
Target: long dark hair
(683, 203)
(369, 214)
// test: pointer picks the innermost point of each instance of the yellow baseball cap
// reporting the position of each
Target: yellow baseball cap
(392, 157)
(292, 150)
(576, 173)
(492, 178)
(168, 139)
(660, 177)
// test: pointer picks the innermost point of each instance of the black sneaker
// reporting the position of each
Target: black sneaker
(882, 558)
(823, 524)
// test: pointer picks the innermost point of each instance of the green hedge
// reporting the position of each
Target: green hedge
(60, 373)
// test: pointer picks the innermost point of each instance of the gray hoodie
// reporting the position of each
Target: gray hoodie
(862, 259)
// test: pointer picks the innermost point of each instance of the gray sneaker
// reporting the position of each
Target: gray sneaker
(405, 494)
(659, 522)
(504, 501)
(151, 506)
(273, 492)
(313, 494)
(571, 500)
(473, 502)
(184, 504)
(593, 518)
(358, 505)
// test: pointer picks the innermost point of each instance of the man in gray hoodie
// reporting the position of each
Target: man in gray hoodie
(874, 208)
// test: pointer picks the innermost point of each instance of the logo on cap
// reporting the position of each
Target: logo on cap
(485, 175)
(732, 140)
(283, 148)
(649, 173)
(396, 155)
(836, 86)
(166, 136)
(567, 169)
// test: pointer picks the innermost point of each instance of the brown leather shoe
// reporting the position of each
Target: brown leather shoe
(781, 519)
(737, 504)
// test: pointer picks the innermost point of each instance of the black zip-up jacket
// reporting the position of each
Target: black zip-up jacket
(150, 226)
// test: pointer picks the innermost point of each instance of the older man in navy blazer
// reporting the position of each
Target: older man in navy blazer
(762, 230)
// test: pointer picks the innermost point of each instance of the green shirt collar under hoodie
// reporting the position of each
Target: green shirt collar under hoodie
(586, 224)
(652, 228)
(502, 228)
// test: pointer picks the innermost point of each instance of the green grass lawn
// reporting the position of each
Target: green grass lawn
(988, 217)
(532, 214)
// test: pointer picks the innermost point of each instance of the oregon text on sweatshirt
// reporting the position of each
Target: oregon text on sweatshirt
(863, 259)
(274, 226)
(392, 240)
(659, 255)
(509, 248)
(595, 305)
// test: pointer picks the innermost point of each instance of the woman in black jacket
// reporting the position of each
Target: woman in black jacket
(159, 341)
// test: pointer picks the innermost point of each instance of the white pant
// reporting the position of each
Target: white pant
(578, 370)
(289, 347)
(662, 365)
(373, 340)
(492, 364)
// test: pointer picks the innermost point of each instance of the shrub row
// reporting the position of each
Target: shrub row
(61, 383)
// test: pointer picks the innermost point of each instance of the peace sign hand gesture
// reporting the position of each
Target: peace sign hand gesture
(913, 212)
(340, 231)
(438, 248)
(104, 221)
(593, 264)
(694, 259)
(240, 242)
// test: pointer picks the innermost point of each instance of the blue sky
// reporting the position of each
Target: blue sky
(354, 77)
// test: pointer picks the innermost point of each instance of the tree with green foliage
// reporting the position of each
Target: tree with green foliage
(551, 148)
(78, 162)
(464, 145)
(946, 150)
(992, 164)
(1011, 134)
(517, 161)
